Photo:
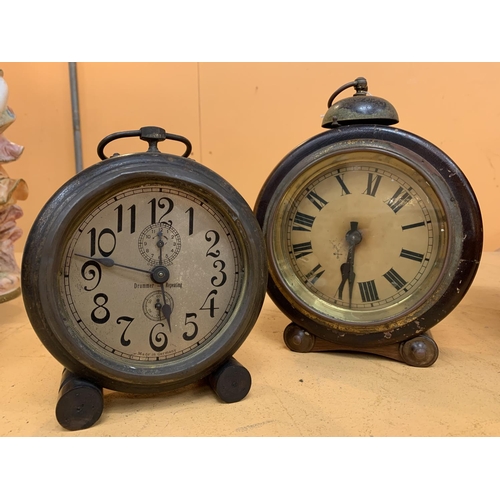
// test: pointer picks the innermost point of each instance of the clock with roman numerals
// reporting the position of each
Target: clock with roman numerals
(145, 272)
(373, 235)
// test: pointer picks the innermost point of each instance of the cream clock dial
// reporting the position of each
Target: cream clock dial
(362, 238)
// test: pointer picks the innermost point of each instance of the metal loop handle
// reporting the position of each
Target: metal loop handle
(361, 86)
(152, 135)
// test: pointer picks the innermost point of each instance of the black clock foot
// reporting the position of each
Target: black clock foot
(419, 351)
(231, 381)
(79, 404)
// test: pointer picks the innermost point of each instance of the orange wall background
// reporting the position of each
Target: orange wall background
(242, 118)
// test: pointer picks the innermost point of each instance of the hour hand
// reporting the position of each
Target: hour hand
(167, 312)
(344, 271)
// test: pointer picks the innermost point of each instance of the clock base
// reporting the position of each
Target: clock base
(80, 402)
(421, 351)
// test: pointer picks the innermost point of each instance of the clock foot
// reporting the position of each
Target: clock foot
(79, 404)
(419, 351)
(299, 340)
(231, 381)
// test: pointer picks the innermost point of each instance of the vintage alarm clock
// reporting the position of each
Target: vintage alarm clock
(144, 273)
(373, 234)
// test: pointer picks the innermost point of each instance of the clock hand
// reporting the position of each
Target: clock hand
(107, 262)
(166, 309)
(347, 272)
(160, 244)
(158, 307)
(353, 238)
(352, 276)
(344, 270)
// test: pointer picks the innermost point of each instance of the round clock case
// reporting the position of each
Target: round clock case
(146, 271)
(373, 234)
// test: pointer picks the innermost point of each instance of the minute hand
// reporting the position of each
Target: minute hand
(166, 308)
(107, 262)
(353, 238)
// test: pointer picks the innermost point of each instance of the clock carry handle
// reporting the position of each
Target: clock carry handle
(152, 135)
(360, 84)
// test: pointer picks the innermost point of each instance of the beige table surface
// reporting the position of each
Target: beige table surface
(292, 394)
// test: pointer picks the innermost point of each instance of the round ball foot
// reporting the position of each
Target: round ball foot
(420, 351)
(80, 403)
(297, 339)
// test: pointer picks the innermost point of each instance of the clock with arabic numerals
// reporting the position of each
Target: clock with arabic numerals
(373, 235)
(144, 273)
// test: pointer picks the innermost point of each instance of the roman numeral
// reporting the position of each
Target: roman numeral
(371, 188)
(316, 200)
(302, 249)
(303, 222)
(395, 279)
(315, 274)
(342, 185)
(368, 291)
(399, 199)
(407, 254)
(411, 226)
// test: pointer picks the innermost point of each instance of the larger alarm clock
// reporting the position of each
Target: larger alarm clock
(373, 234)
(145, 272)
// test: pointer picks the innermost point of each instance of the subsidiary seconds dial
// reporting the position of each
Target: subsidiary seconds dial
(150, 274)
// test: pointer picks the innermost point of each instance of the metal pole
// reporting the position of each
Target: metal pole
(76, 116)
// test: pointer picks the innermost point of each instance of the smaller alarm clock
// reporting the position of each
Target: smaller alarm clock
(144, 273)
(373, 234)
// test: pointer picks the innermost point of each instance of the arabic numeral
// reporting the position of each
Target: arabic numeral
(100, 314)
(215, 238)
(125, 342)
(223, 275)
(91, 274)
(159, 340)
(190, 211)
(169, 205)
(119, 222)
(190, 336)
(105, 244)
(211, 299)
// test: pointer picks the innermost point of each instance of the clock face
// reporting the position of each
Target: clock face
(151, 274)
(359, 237)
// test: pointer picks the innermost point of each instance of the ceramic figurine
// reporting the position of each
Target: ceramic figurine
(11, 190)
